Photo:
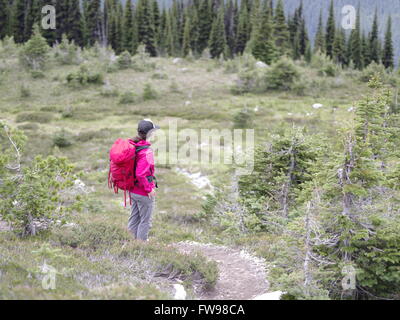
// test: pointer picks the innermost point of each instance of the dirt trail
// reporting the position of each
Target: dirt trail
(241, 275)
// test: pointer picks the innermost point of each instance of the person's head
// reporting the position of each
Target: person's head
(145, 129)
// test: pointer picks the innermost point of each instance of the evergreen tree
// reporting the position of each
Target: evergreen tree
(93, 21)
(145, 25)
(388, 55)
(264, 47)
(356, 44)
(330, 31)
(319, 44)
(374, 46)
(339, 47)
(33, 15)
(162, 34)
(205, 23)
(157, 22)
(230, 28)
(119, 21)
(364, 50)
(303, 38)
(217, 42)
(281, 32)
(171, 35)
(194, 30)
(128, 27)
(18, 21)
(4, 12)
(74, 31)
(61, 18)
(34, 52)
(186, 36)
(243, 27)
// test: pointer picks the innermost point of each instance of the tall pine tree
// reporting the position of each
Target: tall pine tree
(243, 28)
(388, 55)
(330, 31)
(128, 27)
(374, 45)
(217, 42)
(264, 47)
(356, 44)
(319, 44)
(18, 21)
(93, 21)
(281, 31)
(3, 18)
(205, 23)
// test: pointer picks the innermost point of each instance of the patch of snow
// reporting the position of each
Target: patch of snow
(317, 105)
(260, 64)
(180, 292)
(197, 179)
(275, 295)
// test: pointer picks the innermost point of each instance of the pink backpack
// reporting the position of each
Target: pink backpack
(122, 165)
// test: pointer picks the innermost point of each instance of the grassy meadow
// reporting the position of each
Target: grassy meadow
(92, 252)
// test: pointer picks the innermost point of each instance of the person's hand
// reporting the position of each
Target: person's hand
(152, 194)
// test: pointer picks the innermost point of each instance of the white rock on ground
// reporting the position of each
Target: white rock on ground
(275, 295)
(317, 105)
(260, 64)
(176, 60)
(180, 292)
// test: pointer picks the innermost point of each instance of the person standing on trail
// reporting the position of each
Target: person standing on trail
(143, 193)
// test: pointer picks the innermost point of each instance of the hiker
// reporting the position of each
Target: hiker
(143, 192)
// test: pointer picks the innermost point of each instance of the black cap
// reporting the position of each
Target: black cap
(146, 125)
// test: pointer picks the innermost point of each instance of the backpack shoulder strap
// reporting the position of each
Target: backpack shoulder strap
(134, 164)
(141, 148)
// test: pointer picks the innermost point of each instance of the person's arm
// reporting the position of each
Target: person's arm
(144, 161)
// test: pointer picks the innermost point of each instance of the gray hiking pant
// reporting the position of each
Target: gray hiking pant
(139, 222)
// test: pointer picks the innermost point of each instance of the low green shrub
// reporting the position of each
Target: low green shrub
(159, 76)
(40, 117)
(282, 75)
(127, 97)
(84, 76)
(248, 80)
(124, 60)
(62, 139)
(92, 236)
(372, 70)
(141, 60)
(67, 53)
(29, 126)
(243, 119)
(149, 93)
(37, 74)
(91, 134)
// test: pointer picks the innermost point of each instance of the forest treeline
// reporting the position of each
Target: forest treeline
(189, 27)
